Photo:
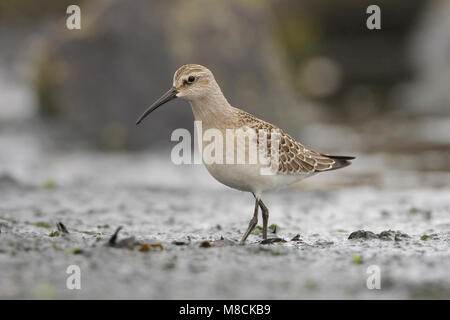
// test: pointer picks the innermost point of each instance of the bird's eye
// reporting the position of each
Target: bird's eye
(191, 79)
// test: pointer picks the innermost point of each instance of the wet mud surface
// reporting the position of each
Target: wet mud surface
(183, 242)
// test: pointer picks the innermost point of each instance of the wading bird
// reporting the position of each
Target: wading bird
(197, 85)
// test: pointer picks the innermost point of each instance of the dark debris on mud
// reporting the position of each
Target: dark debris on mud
(388, 235)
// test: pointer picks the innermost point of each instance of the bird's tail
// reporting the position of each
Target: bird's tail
(340, 161)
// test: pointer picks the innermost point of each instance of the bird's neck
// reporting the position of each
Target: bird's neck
(213, 110)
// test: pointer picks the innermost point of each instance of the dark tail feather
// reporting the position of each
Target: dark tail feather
(340, 161)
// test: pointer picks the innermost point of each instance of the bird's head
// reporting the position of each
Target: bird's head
(190, 82)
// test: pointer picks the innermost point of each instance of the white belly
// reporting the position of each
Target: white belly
(249, 178)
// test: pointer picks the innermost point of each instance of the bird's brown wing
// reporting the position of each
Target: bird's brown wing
(294, 158)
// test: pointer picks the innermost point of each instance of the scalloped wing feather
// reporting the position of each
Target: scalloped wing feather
(294, 158)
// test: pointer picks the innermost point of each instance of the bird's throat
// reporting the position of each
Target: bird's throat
(213, 110)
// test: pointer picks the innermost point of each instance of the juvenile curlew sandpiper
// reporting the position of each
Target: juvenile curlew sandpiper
(197, 85)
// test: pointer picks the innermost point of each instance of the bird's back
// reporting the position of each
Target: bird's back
(294, 157)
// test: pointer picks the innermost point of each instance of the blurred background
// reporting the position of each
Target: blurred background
(69, 98)
(70, 151)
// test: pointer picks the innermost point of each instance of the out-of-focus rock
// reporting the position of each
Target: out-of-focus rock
(336, 61)
(362, 234)
(429, 92)
(384, 235)
(99, 79)
(391, 235)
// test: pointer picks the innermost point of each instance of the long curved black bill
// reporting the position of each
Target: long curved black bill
(169, 95)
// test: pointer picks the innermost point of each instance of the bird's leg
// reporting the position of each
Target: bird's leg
(265, 217)
(252, 223)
